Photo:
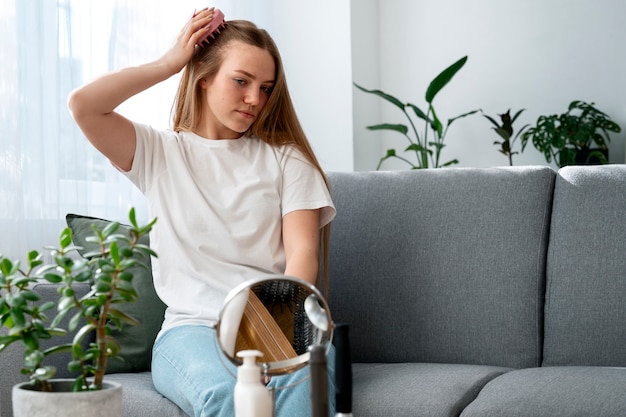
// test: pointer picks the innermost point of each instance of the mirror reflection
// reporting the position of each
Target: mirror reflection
(279, 316)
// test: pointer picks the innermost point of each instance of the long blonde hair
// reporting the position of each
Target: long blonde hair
(277, 124)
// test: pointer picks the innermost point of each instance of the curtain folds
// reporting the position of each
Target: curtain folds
(47, 167)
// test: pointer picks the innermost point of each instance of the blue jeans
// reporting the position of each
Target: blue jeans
(190, 370)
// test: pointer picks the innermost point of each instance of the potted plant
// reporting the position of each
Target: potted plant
(505, 130)
(577, 137)
(427, 150)
(108, 271)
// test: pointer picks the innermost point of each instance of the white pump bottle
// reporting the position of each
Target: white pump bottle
(252, 398)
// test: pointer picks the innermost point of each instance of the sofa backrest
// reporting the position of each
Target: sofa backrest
(441, 265)
(585, 312)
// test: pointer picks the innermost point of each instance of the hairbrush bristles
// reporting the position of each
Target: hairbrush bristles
(218, 23)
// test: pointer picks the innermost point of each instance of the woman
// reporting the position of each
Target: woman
(235, 186)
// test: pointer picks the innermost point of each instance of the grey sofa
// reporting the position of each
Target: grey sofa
(470, 292)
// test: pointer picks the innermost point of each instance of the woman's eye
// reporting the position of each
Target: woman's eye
(266, 89)
(240, 81)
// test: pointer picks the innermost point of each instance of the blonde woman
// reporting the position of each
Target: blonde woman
(236, 188)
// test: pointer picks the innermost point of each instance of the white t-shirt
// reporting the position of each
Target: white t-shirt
(219, 205)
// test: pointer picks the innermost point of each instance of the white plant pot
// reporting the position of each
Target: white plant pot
(30, 402)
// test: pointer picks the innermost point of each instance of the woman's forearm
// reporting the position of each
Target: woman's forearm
(107, 92)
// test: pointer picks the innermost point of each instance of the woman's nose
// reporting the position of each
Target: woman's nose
(252, 97)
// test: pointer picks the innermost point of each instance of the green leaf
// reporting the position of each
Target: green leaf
(461, 116)
(383, 95)
(7, 340)
(31, 342)
(394, 127)
(437, 126)
(30, 295)
(34, 259)
(74, 366)
(19, 320)
(103, 287)
(53, 278)
(115, 252)
(125, 276)
(74, 321)
(44, 373)
(128, 263)
(58, 349)
(491, 119)
(132, 217)
(8, 268)
(65, 239)
(125, 318)
(33, 359)
(65, 303)
(415, 147)
(47, 306)
(453, 162)
(79, 384)
(443, 78)
(147, 228)
(146, 250)
(83, 276)
(80, 334)
(418, 112)
(110, 229)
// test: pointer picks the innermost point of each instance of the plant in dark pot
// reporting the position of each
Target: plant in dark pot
(427, 150)
(91, 318)
(579, 136)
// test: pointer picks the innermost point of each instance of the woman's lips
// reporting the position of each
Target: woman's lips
(245, 114)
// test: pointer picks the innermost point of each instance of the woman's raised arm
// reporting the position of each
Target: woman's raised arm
(92, 105)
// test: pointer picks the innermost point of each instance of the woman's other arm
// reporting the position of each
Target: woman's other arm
(301, 240)
(92, 106)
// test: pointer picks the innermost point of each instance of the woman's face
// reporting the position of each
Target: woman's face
(236, 95)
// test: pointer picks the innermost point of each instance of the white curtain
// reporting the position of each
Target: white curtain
(48, 48)
(47, 167)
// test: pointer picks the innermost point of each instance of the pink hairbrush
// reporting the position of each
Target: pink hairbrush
(215, 26)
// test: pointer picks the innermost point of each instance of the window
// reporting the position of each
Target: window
(47, 167)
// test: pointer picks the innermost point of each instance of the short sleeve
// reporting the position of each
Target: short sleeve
(304, 188)
(147, 160)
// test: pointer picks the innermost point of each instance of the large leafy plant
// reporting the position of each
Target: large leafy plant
(426, 144)
(578, 136)
(108, 270)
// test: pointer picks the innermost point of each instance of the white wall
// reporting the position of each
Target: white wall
(314, 42)
(530, 54)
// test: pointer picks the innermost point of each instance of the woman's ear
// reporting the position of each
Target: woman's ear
(203, 83)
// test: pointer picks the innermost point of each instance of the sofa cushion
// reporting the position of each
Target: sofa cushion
(136, 341)
(141, 399)
(417, 389)
(553, 391)
(585, 312)
(441, 265)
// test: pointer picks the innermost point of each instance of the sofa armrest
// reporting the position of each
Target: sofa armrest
(11, 360)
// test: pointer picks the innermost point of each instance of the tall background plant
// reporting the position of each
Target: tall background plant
(428, 143)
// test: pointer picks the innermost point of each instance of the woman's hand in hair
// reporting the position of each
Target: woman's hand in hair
(194, 31)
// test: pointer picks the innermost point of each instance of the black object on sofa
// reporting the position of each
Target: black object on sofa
(470, 292)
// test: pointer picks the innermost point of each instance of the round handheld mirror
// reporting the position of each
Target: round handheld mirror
(280, 316)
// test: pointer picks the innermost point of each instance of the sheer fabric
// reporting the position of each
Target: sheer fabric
(47, 167)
